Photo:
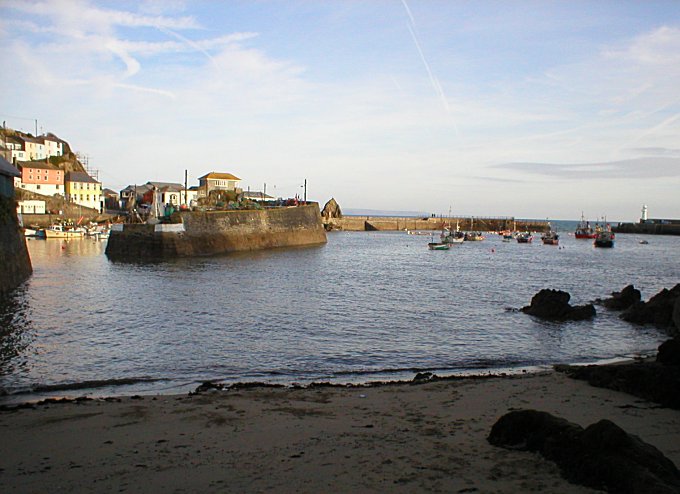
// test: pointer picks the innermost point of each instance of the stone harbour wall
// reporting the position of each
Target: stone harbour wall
(385, 223)
(15, 263)
(215, 232)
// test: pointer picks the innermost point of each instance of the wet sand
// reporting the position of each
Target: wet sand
(402, 437)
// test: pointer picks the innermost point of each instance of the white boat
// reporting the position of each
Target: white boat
(60, 231)
(34, 232)
(450, 237)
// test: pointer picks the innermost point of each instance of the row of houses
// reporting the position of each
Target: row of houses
(42, 177)
(22, 147)
(177, 195)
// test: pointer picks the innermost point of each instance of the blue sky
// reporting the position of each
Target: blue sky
(532, 109)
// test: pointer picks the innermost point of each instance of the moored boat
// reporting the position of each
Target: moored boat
(473, 236)
(438, 246)
(524, 238)
(550, 237)
(584, 230)
(60, 231)
(604, 238)
(449, 237)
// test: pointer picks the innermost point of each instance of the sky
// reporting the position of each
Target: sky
(532, 109)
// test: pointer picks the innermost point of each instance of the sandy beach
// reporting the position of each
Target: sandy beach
(404, 437)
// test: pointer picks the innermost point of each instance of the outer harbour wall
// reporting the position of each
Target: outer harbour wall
(648, 228)
(384, 223)
(216, 232)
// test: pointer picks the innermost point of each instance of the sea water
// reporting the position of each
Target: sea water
(365, 306)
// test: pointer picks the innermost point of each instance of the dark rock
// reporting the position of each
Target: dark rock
(676, 316)
(669, 352)
(603, 456)
(623, 299)
(331, 210)
(554, 305)
(652, 381)
(657, 311)
(532, 430)
(424, 376)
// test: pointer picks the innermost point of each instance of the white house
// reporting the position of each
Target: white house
(31, 207)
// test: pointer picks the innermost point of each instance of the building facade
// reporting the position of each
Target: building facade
(42, 178)
(84, 190)
(217, 181)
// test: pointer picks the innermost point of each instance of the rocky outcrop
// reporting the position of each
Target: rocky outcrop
(657, 381)
(669, 353)
(623, 299)
(660, 311)
(554, 305)
(331, 210)
(602, 456)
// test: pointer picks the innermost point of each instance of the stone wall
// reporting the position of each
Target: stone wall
(15, 264)
(384, 223)
(648, 228)
(215, 232)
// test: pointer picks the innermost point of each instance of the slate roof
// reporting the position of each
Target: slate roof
(7, 169)
(42, 164)
(80, 177)
(220, 176)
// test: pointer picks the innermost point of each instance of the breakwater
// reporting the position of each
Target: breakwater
(385, 223)
(672, 227)
(196, 233)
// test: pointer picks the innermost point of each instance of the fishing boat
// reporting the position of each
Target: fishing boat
(438, 246)
(449, 236)
(60, 231)
(550, 237)
(584, 230)
(604, 237)
(473, 236)
(508, 236)
(524, 238)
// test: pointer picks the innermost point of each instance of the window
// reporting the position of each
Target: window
(37, 186)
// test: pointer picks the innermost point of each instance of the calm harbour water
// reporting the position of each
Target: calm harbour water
(364, 307)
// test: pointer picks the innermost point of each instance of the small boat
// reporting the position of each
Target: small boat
(449, 237)
(604, 238)
(473, 236)
(524, 238)
(644, 242)
(584, 229)
(34, 232)
(550, 237)
(60, 231)
(438, 246)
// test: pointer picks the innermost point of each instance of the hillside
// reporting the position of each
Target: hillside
(68, 162)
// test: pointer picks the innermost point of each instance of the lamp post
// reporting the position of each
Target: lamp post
(305, 187)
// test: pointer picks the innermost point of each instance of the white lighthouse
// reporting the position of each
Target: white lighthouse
(643, 218)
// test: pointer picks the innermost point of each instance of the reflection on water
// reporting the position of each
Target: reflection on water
(363, 305)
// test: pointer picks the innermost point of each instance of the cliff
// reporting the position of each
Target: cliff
(196, 233)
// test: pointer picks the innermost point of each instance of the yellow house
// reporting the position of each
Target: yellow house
(83, 190)
(217, 181)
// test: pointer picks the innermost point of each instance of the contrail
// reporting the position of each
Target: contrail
(433, 80)
(192, 44)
